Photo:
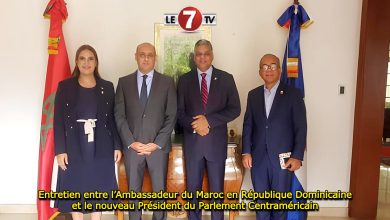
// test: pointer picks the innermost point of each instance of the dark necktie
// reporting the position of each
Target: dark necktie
(144, 94)
(204, 91)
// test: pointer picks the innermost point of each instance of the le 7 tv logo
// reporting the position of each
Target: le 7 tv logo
(190, 19)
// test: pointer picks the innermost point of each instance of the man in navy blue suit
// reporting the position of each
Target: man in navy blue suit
(274, 134)
(207, 100)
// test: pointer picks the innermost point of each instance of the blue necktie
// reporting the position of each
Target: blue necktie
(144, 95)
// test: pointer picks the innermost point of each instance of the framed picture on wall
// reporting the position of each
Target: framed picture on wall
(174, 48)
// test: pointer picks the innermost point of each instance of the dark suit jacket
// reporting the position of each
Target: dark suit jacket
(66, 132)
(223, 106)
(285, 129)
(155, 124)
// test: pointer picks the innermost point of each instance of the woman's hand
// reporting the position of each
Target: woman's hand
(62, 160)
(117, 155)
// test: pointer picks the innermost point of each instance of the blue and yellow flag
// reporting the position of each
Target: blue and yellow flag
(293, 19)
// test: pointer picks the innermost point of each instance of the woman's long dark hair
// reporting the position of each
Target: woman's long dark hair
(76, 71)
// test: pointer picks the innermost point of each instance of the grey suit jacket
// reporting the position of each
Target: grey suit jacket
(155, 123)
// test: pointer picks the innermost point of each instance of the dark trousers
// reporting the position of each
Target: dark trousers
(195, 171)
(266, 177)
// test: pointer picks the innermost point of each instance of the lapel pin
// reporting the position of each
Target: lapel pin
(215, 78)
(281, 92)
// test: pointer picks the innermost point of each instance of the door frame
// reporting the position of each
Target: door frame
(367, 145)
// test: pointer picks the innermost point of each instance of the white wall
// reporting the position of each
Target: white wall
(245, 31)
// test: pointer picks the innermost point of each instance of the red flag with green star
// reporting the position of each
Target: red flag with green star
(57, 70)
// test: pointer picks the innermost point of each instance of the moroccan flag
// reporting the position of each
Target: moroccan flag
(57, 70)
(293, 19)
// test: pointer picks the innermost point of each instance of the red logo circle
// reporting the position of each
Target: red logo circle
(190, 18)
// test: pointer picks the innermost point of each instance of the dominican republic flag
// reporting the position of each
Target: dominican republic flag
(57, 70)
(293, 19)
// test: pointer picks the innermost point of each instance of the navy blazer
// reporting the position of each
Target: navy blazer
(66, 132)
(223, 106)
(283, 131)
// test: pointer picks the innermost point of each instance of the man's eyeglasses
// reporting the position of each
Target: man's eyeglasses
(266, 67)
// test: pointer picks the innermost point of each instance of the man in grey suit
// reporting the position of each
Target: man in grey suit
(145, 114)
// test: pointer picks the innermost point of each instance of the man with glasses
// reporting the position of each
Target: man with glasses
(274, 134)
(207, 101)
(145, 113)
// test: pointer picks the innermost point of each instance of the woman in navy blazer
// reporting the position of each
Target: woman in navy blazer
(87, 143)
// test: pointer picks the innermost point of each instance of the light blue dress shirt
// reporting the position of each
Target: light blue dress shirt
(269, 96)
(148, 81)
(208, 78)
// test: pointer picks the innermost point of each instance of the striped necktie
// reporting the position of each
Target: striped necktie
(204, 91)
